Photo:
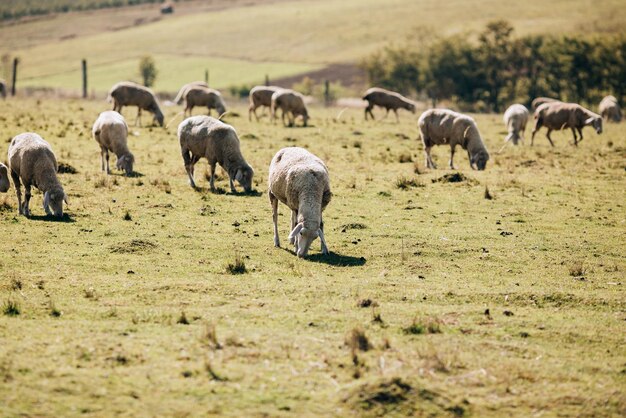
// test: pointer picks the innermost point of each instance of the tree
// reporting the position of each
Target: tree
(148, 71)
(494, 53)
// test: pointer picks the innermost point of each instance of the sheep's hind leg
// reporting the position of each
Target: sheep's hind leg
(27, 196)
(212, 181)
(548, 136)
(18, 191)
(294, 221)
(321, 233)
(580, 134)
(452, 148)
(274, 203)
(429, 158)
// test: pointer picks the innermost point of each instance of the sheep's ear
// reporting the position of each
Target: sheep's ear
(238, 175)
(589, 121)
(296, 230)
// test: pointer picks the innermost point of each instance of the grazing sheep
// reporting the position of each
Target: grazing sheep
(4, 178)
(183, 90)
(541, 100)
(443, 126)
(204, 96)
(204, 136)
(111, 132)
(127, 93)
(559, 115)
(610, 110)
(388, 99)
(260, 96)
(3, 89)
(33, 163)
(290, 102)
(515, 119)
(300, 180)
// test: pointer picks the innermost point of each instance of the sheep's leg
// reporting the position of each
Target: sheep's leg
(575, 138)
(27, 196)
(429, 158)
(368, 110)
(294, 221)
(452, 149)
(102, 158)
(386, 114)
(549, 139)
(580, 134)
(283, 118)
(212, 181)
(188, 160)
(18, 190)
(397, 118)
(535, 129)
(274, 203)
(138, 120)
(209, 111)
(324, 246)
(232, 184)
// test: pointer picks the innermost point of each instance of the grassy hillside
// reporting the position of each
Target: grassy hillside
(305, 32)
(505, 307)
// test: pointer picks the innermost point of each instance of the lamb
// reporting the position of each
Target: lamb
(127, 93)
(33, 163)
(204, 136)
(388, 99)
(290, 102)
(4, 178)
(110, 131)
(515, 119)
(559, 115)
(183, 90)
(260, 96)
(541, 100)
(609, 109)
(3, 88)
(204, 96)
(443, 126)
(300, 180)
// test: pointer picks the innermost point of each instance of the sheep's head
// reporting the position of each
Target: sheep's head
(244, 176)
(596, 122)
(125, 163)
(411, 107)
(4, 179)
(478, 161)
(53, 202)
(303, 237)
(221, 109)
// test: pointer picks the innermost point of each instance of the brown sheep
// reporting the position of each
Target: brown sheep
(559, 115)
(204, 96)
(260, 96)
(541, 100)
(127, 93)
(291, 103)
(183, 90)
(388, 99)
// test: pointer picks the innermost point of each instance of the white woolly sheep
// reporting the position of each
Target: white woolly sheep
(127, 93)
(291, 103)
(204, 96)
(515, 119)
(33, 163)
(390, 100)
(260, 96)
(4, 178)
(111, 132)
(300, 180)
(559, 115)
(443, 126)
(183, 90)
(609, 109)
(207, 137)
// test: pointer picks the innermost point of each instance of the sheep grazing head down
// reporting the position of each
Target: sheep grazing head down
(596, 123)
(411, 107)
(244, 175)
(303, 237)
(158, 118)
(53, 202)
(479, 160)
(125, 163)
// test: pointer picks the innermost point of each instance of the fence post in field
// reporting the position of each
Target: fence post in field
(84, 78)
(327, 92)
(14, 81)
(206, 76)
(267, 80)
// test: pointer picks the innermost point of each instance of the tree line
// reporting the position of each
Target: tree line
(498, 69)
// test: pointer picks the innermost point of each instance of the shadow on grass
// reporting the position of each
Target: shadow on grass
(66, 218)
(334, 259)
(131, 175)
(220, 190)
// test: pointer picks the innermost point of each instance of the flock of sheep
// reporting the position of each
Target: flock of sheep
(297, 178)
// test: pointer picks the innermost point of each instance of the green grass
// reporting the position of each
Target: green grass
(277, 340)
(276, 38)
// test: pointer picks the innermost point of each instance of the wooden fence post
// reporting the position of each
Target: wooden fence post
(84, 78)
(14, 81)
(267, 80)
(206, 76)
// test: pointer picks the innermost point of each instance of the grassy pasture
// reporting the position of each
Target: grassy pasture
(300, 31)
(129, 307)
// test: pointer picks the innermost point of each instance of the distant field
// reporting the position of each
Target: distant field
(513, 306)
(299, 31)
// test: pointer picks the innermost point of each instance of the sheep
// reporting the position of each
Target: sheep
(260, 96)
(4, 178)
(609, 109)
(204, 136)
(559, 115)
(541, 100)
(3, 88)
(33, 163)
(127, 93)
(390, 100)
(515, 119)
(300, 180)
(204, 96)
(183, 90)
(290, 102)
(443, 126)
(110, 131)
